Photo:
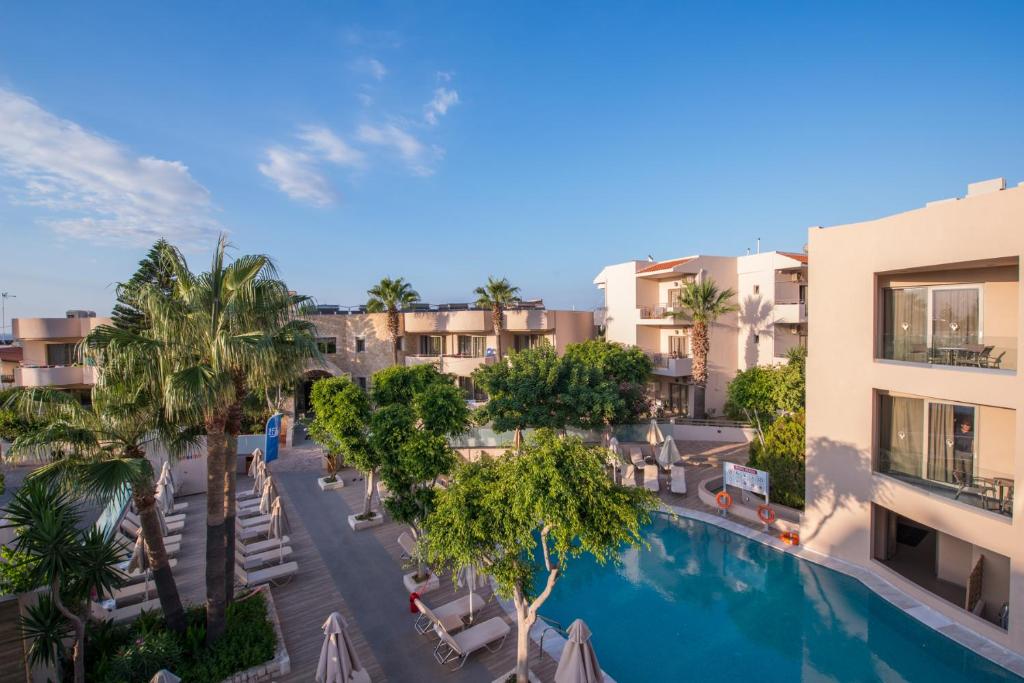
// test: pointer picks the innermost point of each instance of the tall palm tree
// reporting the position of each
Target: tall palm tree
(391, 296)
(196, 341)
(703, 303)
(497, 295)
(100, 451)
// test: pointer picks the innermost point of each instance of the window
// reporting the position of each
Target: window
(399, 343)
(431, 345)
(61, 354)
(757, 339)
(327, 344)
(361, 381)
(360, 345)
(678, 346)
(940, 324)
(757, 289)
(521, 342)
(470, 391)
(472, 346)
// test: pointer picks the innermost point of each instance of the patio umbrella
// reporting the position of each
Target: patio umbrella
(668, 454)
(164, 676)
(473, 578)
(261, 475)
(164, 498)
(268, 497)
(164, 531)
(578, 663)
(339, 662)
(257, 457)
(140, 558)
(278, 524)
(654, 435)
(166, 475)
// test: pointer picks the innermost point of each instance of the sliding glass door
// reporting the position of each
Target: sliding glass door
(905, 324)
(956, 317)
(951, 442)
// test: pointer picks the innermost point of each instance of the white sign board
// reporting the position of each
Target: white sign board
(746, 478)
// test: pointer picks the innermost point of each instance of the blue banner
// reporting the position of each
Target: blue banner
(270, 444)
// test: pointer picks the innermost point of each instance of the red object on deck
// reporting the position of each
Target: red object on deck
(413, 597)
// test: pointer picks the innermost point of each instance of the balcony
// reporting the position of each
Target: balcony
(988, 353)
(55, 328)
(462, 366)
(668, 365)
(55, 376)
(660, 314)
(790, 312)
(427, 322)
(526, 320)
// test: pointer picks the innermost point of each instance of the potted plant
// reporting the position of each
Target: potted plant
(331, 481)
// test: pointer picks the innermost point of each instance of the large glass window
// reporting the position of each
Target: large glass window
(61, 354)
(956, 317)
(327, 344)
(471, 345)
(431, 345)
(905, 322)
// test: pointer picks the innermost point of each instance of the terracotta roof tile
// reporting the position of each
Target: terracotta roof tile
(802, 258)
(663, 265)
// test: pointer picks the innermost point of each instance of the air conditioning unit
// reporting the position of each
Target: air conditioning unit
(81, 314)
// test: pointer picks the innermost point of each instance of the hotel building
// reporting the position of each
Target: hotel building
(915, 405)
(641, 308)
(49, 351)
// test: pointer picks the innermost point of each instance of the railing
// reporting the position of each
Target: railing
(991, 353)
(662, 360)
(959, 480)
(656, 311)
(552, 625)
(485, 437)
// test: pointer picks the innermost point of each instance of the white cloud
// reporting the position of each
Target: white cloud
(297, 175)
(444, 99)
(96, 188)
(370, 67)
(415, 154)
(444, 76)
(325, 143)
(364, 99)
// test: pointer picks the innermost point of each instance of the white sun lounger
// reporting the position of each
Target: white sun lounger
(132, 530)
(135, 592)
(133, 577)
(169, 519)
(450, 614)
(172, 544)
(274, 574)
(261, 546)
(651, 481)
(172, 527)
(252, 533)
(629, 476)
(121, 615)
(458, 647)
(408, 544)
(246, 522)
(257, 560)
(253, 502)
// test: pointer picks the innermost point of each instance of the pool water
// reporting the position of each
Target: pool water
(706, 604)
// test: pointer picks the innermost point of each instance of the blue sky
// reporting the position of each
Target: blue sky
(445, 142)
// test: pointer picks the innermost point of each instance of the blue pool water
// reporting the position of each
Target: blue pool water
(704, 604)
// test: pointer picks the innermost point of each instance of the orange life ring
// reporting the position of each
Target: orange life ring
(724, 500)
(790, 537)
(766, 514)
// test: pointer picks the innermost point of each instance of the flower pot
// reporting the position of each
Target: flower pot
(421, 587)
(360, 524)
(330, 485)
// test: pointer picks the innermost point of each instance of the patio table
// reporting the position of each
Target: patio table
(951, 353)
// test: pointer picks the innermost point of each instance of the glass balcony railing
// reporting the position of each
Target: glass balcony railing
(992, 353)
(964, 482)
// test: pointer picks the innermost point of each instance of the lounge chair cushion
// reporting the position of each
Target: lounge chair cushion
(259, 576)
(472, 639)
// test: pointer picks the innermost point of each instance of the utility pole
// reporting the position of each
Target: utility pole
(4, 296)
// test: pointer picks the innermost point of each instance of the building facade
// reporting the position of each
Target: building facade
(641, 308)
(50, 355)
(914, 404)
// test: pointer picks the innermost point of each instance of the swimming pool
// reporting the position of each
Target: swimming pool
(706, 604)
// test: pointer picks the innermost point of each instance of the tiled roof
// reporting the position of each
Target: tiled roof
(11, 353)
(802, 258)
(662, 265)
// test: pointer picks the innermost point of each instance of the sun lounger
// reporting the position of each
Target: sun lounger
(135, 577)
(629, 476)
(260, 546)
(275, 575)
(135, 592)
(169, 519)
(172, 544)
(121, 615)
(450, 615)
(249, 511)
(651, 481)
(131, 531)
(408, 544)
(636, 455)
(172, 527)
(246, 522)
(256, 560)
(253, 533)
(253, 502)
(458, 647)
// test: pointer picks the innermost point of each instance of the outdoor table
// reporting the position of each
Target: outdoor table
(951, 352)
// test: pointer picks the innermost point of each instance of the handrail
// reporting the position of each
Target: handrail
(552, 625)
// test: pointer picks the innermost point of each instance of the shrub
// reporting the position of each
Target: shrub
(783, 457)
(144, 656)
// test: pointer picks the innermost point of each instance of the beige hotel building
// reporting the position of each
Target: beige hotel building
(915, 404)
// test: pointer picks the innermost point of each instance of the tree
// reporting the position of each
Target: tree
(73, 564)
(342, 425)
(626, 367)
(99, 451)
(762, 393)
(782, 453)
(532, 512)
(497, 295)
(391, 296)
(155, 270)
(197, 340)
(703, 303)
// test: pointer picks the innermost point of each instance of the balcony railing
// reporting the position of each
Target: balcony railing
(992, 353)
(978, 486)
(657, 311)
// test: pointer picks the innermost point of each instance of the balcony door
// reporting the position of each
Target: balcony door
(955, 316)
(431, 345)
(951, 442)
(905, 333)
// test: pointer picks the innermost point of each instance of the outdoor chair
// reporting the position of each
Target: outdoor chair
(261, 546)
(173, 522)
(253, 532)
(276, 575)
(121, 615)
(978, 486)
(408, 544)
(651, 481)
(629, 476)
(450, 615)
(250, 561)
(132, 530)
(458, 647)
(254, 520)
(136, 576)
(172, 544)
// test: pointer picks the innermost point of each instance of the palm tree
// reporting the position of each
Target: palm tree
(197, 340)
(391, 296)
(101, 453)
(703, 303)
(73, 564)
(497, 295)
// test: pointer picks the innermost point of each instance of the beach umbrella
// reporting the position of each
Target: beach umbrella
(257, 457)
(278, 525)
(654, 435)
(164, 676)
(473, 578)
(578, 663)
(164, 499)
(261, 475)
(166, 475)
(268, 497)
(339, 662)
(164, 531)
(669, 454)
(140, 559)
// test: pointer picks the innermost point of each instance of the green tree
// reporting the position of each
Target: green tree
(783, 455)
(72, 563)
(391, 296)
(703, 303)
(155, 270)
(99, 451)
(533, 513)
(626, 367)
(342, 426)
(762, 393)
(497, 295)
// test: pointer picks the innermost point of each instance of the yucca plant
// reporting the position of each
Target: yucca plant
(391, 296)
(497, 295)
